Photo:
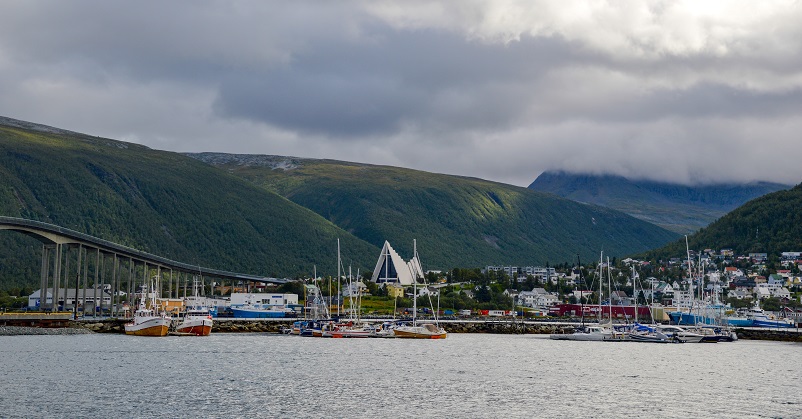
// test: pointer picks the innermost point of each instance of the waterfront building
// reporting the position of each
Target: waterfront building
(92, 296)
(270, 299)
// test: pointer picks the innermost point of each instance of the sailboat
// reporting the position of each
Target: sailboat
(415, 330)
(197, 320)
(353, 328)
(147, 321)
(585, 332)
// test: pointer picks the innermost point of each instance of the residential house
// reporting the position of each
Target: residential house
(527, 299)
(620, 298)
(740, 295)
(776, 279)
(782, 293)
(354, 289)
(424, 291)
(394, 290)
(762, 292)
(542, 298)
(743, 284)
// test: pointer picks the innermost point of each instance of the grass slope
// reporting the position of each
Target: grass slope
(160, 202)
(457, 221)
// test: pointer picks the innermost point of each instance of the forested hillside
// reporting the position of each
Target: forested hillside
(770, 224)
(457, 221)
(160, 202)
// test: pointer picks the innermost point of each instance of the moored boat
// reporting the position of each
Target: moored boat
(683, 335)
(350, 330)
(415, 330)
(147, 322)
(641, 333)
(197, 322)
(261, 311)
(586, 333)
(421, 331)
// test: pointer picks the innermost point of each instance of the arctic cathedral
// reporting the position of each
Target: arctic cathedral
(391, 269)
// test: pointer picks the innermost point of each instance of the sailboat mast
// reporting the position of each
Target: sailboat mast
(414, 284)
(691, 292)
(610, 288)
(601, 279)
(635, 291)
(351, 293)
(581, 304)
(338, 278)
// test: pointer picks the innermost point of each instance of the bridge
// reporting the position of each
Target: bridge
(68, 254)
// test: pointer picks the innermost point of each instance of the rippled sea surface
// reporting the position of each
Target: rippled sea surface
(464, 376)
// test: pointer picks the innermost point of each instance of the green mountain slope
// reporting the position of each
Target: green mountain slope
(160, 202)
(457, 221)
(770, 224)
(679, 208)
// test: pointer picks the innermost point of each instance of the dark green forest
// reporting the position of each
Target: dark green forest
(159, 202)
(770, 224)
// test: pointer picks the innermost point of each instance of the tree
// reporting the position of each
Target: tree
(772, 304)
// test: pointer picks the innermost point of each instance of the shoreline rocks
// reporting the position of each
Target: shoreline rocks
(275, 326)
(25, 331)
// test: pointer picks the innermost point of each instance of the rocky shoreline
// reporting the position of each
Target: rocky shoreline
(24, 330)
(275, 326)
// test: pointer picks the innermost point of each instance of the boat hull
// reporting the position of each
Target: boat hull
(197, 327)
(257, 314)
(152, 327)
(651, 339)
(773, 324)
(582, 337)
(418, 332)
(350, 334)
(739, 322)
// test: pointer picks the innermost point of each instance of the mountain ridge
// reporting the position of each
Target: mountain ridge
(677, 207)
(491, 218)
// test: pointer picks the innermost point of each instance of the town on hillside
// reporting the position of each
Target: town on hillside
(628, 287)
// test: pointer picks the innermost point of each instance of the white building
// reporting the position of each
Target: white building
(521, 272)
(242, 298)
(93, 297)
(354, 289)
(424, 291)
(391, 268)
(537, 298)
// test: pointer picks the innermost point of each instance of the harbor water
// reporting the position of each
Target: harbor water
(466, 375)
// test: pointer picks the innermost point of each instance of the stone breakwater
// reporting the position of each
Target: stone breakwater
(24, 330)
(770, 334)
(275, 326)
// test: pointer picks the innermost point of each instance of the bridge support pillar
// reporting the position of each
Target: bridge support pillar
(56, 277)
(45, 273)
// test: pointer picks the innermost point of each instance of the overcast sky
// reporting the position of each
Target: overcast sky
(687, 91)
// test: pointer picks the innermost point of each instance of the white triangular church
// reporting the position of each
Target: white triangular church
(392, 269)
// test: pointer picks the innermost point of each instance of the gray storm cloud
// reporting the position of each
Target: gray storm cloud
(692, 92)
